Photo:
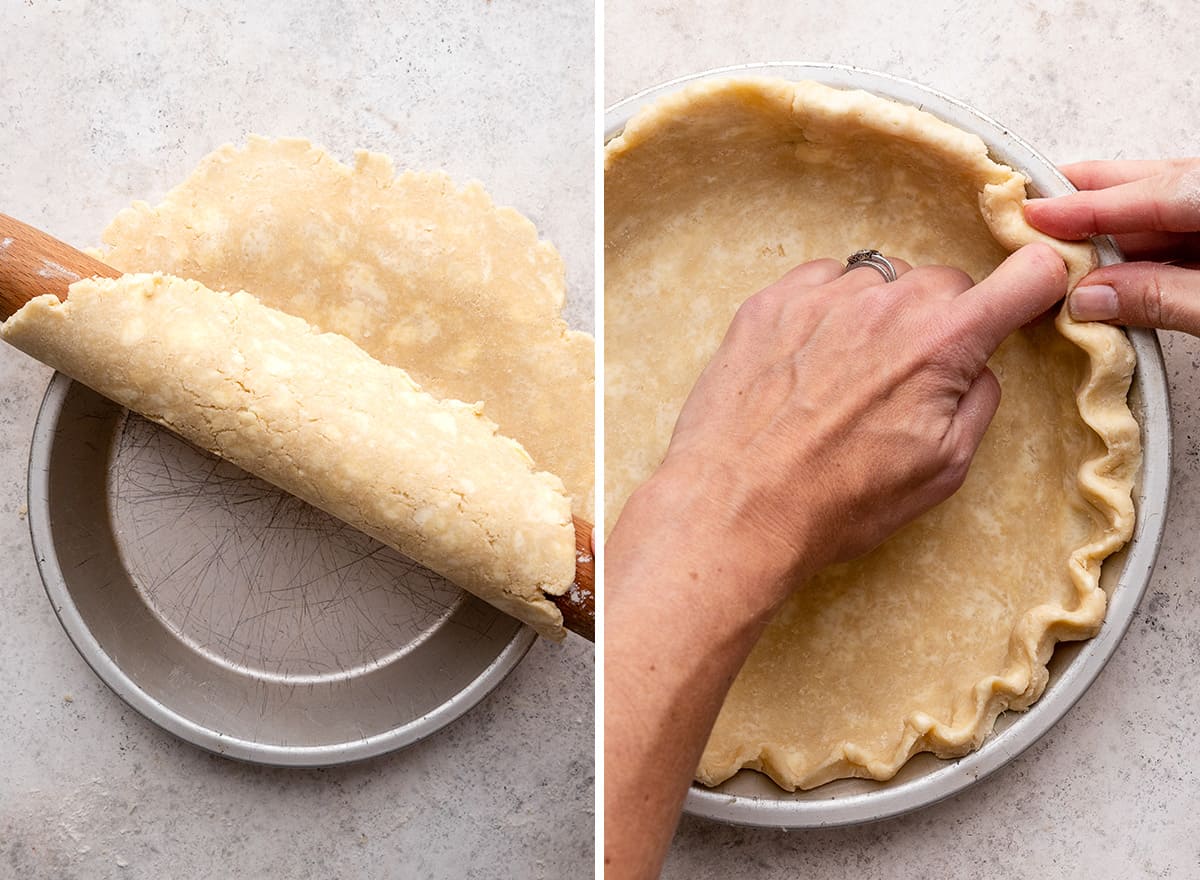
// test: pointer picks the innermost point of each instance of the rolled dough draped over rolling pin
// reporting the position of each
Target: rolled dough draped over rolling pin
(421, 272)
(317, 416)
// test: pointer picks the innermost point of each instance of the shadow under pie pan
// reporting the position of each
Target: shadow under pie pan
(751, 798)
(236, 616)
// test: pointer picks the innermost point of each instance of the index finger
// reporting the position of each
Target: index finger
(1102, 173)
(1021, 288)
(1167, 202)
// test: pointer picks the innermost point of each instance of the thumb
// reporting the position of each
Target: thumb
(1141, 294)
(975, 410)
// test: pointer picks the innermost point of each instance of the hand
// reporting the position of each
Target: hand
(1152, 208)
(838, 408)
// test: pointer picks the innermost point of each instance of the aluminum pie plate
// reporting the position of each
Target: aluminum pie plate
(236, 616)
(750, 798)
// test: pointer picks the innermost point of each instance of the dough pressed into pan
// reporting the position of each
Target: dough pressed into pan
(317, 416)
(718, 190)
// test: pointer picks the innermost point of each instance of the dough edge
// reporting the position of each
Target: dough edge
(123, 249)
(89, 325)
(1105, 481)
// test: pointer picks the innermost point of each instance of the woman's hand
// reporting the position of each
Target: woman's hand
(1152, 208)
(838, 407)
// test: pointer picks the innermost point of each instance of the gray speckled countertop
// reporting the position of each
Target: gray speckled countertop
(105, 102)
(1112, 790)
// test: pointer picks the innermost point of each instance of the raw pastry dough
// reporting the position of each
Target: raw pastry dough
(316, 415)
(423, 274)
(716, 191)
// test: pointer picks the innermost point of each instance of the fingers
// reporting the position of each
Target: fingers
(829, 276)
(1020, 289)
(940, 282)
(1162, 246)
(860, 277)
(1141, 294)
(975, 410)
(787, 291)
(818, 272)
(1103, 174)
(1167, 202)
(814, 273)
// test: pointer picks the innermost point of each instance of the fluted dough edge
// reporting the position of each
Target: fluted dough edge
(1104, 481)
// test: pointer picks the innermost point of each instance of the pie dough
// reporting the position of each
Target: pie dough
(317, 416)
(423, 274)
(718, 190)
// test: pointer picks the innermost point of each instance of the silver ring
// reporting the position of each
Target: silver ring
(875, 260)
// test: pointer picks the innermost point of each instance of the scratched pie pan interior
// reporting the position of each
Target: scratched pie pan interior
(236, 616)
(750, 798)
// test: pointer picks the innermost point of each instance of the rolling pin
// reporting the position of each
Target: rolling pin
(33, 263)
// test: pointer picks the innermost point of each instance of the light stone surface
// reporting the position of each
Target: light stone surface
(105, 102)
(1111, 792)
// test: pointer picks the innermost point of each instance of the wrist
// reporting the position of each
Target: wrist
(695, 520)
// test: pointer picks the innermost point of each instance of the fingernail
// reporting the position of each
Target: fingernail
(1093, 303)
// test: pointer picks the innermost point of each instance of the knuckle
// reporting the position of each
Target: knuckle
(941, 279)
(953, 480)
(960, 458)
(827, 265)
(957, 279)
(813, 273)
(880, 309)
(1155, 300)
(757, 307)
(952, 279)
(1187, 185)
(879, 297)
(955, 466)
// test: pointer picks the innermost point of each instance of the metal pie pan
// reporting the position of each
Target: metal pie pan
(750, 798)
(236, 616)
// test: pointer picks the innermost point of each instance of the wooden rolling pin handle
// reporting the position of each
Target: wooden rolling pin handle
(33, 263)
(578, 604)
